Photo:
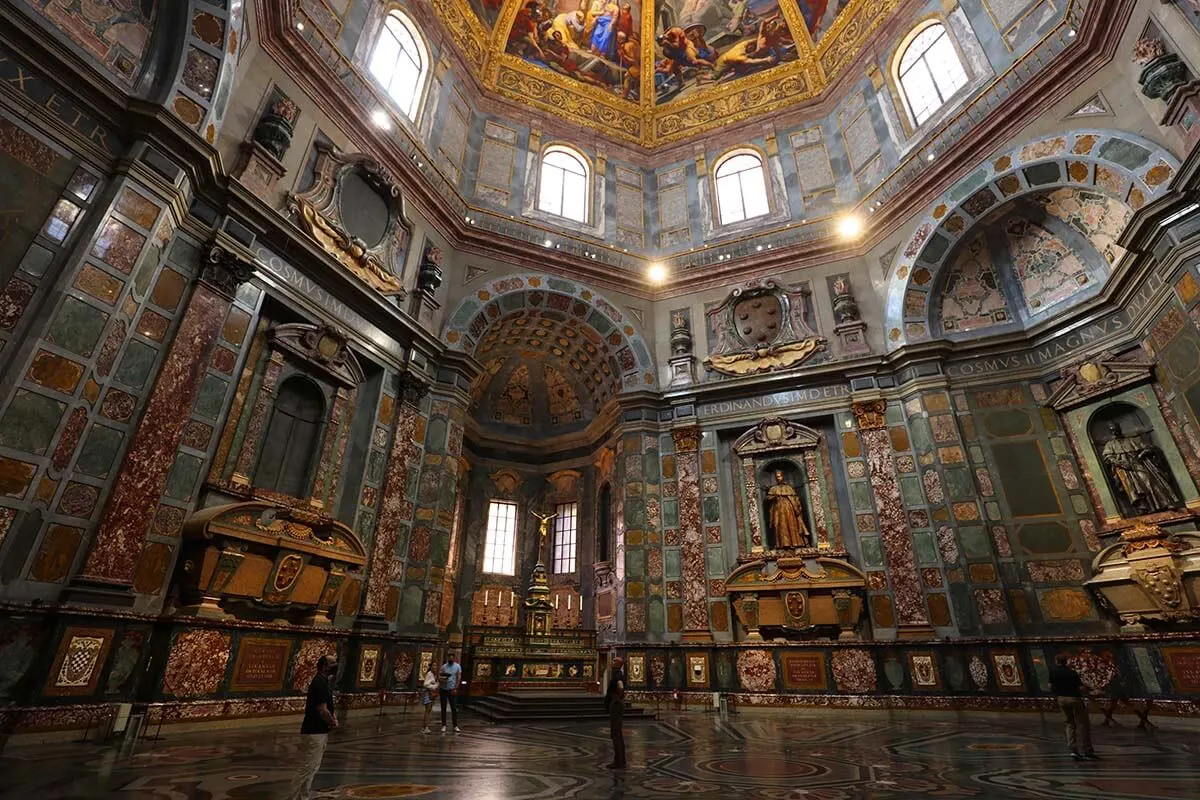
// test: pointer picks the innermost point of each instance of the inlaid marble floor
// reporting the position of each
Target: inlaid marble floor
(769, 755)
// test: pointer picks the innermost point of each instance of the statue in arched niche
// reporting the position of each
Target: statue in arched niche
(785, 515)
(1138, 472)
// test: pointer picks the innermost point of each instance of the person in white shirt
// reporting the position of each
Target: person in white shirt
(451, 678)
(429, 690)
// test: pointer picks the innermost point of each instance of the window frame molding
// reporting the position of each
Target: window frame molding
(896, 88)
(589, 177)
(370, 40)
(554, 570)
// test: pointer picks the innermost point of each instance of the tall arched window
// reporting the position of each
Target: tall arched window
(929, 72)
(293, 438)
(399, 62)
(564, 183)
(741, 187)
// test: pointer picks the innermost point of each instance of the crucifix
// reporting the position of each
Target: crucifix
(543, 529)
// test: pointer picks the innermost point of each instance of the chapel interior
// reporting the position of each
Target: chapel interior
(803, 353)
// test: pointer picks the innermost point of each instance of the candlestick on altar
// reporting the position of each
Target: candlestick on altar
(485, 597)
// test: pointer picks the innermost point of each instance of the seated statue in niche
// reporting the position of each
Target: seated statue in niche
(785, 515)
(1139, 473)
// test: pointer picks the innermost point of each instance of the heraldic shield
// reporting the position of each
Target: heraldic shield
(759, 319)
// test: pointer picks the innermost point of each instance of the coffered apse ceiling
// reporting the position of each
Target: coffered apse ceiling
(629, 65)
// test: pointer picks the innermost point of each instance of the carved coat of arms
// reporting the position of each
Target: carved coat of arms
(762, 327)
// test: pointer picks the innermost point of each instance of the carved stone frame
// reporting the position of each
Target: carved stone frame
(774, 438)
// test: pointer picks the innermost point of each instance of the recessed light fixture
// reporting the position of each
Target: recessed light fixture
(656, 273)
(381, 120)
(1071, 33)
(929, 157)
(547, 243)
(300, 26)
(850, 226)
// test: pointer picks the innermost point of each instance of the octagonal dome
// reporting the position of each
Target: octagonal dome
(656, 71)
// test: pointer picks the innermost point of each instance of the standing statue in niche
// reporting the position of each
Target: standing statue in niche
(785, 516)
(1139, 473)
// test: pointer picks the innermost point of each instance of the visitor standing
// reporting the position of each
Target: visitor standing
(1068, 691)
(319, 720)
(615, 699)
(451, 678)
(429, 690)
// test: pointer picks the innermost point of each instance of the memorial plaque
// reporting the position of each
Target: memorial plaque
(804, 671)
(261, 665)
(1184, 665)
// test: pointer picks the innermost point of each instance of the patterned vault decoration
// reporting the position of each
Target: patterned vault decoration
(656, 71)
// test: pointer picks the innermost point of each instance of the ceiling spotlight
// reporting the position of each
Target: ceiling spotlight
(759, 248)
(1071, 33)
(929, 157)
(299, 26)
(381, 120)
(656, 273)
(547, 243)
(850, 226)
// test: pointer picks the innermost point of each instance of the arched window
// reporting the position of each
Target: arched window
(564, 183)
(399, 63)
(929, 72)
(293, 438)
(741, 187)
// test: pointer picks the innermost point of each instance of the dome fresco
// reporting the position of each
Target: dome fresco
(660, 69)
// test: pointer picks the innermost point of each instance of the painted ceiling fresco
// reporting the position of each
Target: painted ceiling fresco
(659, 70)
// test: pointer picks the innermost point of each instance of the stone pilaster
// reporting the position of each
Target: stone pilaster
(893, 521)
(263, 404)
(695, 587)
(112, 558)
(391, 508)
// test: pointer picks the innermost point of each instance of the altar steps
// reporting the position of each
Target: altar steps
(517, 707)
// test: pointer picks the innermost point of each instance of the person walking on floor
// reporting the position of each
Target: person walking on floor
(1068, 690)
(615, 700)
(319, 720)
(429, 690)
(451, 678)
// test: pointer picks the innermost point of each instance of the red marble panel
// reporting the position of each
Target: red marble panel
(307, 656)
(695, 600)
(119, 245)
(143, 474)
(853, 670)
(111, 346)
(13, 302)
(118, 405)
(395, 486)
(69, 439)
(893, 525)
(197, 663)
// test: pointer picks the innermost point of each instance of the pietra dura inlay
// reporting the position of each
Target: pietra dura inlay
(144, 470)
(695, 603)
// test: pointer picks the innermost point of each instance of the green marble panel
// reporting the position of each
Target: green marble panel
(712, 508)
(402, 534)
(98, 455)
(635, 514)
(959, 485)
(975, 542)
(992, 509)
(211, 397)
(184, 474)
(136, 364)
(1007, 422)
(1059, 446)
(861, 497)
(1125, 153)
(1021, 467)
(77, 327)
(911, 491)
(921, 434)
(672, 563)
(670, 512)
(30, 422)
(651, 471)
(439, 549)
(635, 564)
(968, 184)
(964, 609)
(894, 414)
(925, 548)
(656, 616)
(1146, 669)
(716, 562)
(1045, 538)
(364, 526)
(872, 551)
(410, 607)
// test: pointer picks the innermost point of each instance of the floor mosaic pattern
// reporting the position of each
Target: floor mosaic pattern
(768, 755)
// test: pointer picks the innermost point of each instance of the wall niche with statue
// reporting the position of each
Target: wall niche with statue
(1130, 456)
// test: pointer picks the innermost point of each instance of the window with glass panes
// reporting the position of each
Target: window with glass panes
(930, 72)
(566, 527)
(564, 184)
(741, 188)
(500, 541)
(398, 62)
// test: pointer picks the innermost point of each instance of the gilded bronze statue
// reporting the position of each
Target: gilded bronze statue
(785, 515)
(1139, 474)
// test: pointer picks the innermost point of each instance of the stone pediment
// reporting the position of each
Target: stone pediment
(1097, 376)
(775, 435)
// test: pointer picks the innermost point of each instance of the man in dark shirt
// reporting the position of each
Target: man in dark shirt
(319, 720)
(616, 712)
(1068, 689)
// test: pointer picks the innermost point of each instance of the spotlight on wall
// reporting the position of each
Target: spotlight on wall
(850, 226)
(656, 273)
(381, 120)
